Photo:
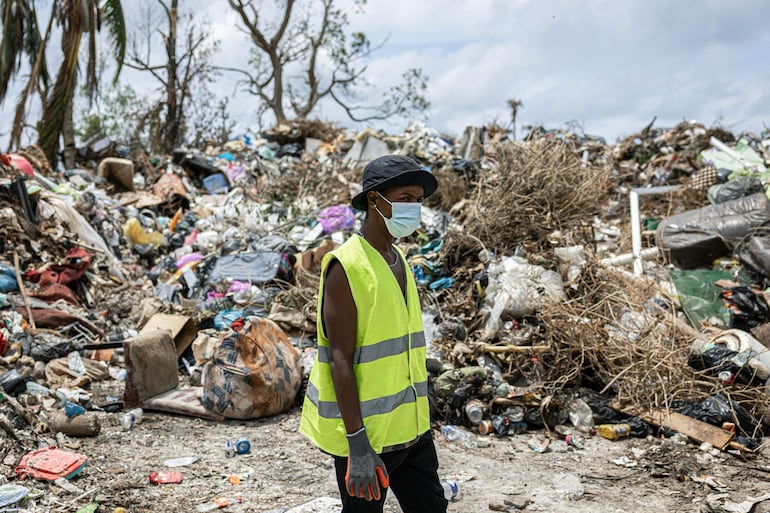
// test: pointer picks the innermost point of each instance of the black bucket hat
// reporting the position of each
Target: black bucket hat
(394, 171)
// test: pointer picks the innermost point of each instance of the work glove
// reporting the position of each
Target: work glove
(366, 472)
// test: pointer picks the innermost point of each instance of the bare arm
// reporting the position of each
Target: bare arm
(339, 316)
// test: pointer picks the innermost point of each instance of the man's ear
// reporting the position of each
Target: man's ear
(371, 197)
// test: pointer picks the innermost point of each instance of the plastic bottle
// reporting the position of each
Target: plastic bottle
(614, 431)
(460, 436)
(452, 491)
(37, 389)
(474, 410)
(132, 418)
(537, 371)
(580, 415)
(215, 305)
(489, 363)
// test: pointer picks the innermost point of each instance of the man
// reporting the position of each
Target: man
(366, 402)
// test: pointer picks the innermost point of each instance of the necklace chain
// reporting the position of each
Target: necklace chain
(395, 254)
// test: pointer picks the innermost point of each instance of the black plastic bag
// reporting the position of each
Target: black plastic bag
(47, 352)
(639, 428)
(534, 419)
(736, 188)
(600, 407)
(747, 308)
(698, 237)
(717, 359)
(754, 251)
(716, 410)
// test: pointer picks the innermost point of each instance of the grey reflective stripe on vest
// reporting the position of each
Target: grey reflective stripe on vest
(330, 410)
(392, 347)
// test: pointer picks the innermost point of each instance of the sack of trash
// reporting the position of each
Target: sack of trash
(253, 373)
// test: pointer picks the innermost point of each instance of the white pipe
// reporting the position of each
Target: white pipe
(716, 143)
(627, 258)
(636, 233)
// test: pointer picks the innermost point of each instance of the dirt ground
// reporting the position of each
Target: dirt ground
(284, 470)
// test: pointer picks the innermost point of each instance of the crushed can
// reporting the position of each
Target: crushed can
(229, 449)
(242, 446)
(485, 427)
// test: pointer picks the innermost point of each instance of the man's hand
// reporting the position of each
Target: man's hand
(366, 471)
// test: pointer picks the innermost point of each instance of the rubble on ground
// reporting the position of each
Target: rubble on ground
(132, 281)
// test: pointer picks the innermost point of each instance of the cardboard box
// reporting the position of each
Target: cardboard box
(182, 328)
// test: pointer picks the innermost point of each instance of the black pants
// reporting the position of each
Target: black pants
(413, 478)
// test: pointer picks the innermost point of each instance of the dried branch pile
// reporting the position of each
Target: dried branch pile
(640, 353)
(537, 188)
(451, 191)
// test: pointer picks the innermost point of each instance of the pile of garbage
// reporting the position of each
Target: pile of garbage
(132, 265)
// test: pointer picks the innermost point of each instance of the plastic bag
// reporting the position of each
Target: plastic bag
(519, 289)
(747, 308)
(11, 494)
(699, 297)
(716, 410)
(258, 267)
(8, 281)
(736, 188)
(336, 218)
(754, 251)
(136, 235)
(254, 373)
(700, 236)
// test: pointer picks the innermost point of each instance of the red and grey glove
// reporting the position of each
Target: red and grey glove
(366, 471)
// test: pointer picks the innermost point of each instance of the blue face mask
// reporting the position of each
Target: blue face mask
(404, 219)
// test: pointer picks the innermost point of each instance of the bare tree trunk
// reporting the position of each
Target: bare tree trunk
(277, 101)
(68, 134)
(172, 111)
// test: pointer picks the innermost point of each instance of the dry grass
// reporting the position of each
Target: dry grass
(536, 188)
(451, 190)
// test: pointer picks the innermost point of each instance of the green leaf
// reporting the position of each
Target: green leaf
(116, 26)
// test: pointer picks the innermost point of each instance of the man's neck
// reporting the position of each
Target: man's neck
(378, 236)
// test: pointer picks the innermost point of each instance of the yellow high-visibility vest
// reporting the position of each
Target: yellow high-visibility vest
(389, 358)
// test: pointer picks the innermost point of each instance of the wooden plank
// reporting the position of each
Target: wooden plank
(695, 429)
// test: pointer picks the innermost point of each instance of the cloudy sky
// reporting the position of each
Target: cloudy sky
(611, 66)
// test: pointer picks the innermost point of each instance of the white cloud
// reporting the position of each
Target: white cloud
(611, 65)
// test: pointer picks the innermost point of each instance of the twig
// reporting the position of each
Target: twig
(7, 427)
(23, 290)
(489, 348)
(86, 246)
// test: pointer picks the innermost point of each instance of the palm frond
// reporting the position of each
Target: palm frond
(63, 91)
(92, 82)
(32, 39)
(13, 14)
(39, 73)
(116, 26)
